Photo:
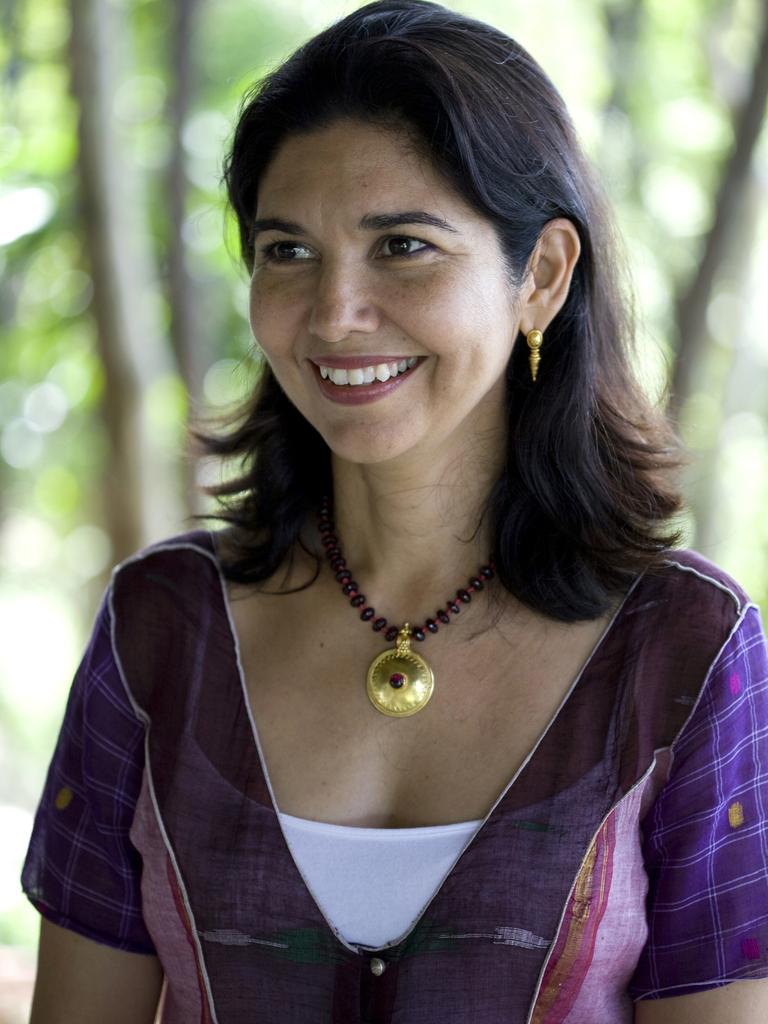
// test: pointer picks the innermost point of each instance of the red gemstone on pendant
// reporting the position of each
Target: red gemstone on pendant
(396, 680)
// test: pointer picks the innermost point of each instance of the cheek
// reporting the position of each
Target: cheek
(466, 322)
(437, 309)
(271, 316)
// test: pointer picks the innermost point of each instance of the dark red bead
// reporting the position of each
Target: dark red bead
(349, 588)
(463, 596)
(338, 563)
(333, 552)
(343, 575)
(367, 613)
(379, 624)
(418, 633)
(477, 584)
(357, 600)
(391, 633)
(330, 541)
(396, 680)
(486, 572)
(325, 526)
(454, 607)
(432, 626)
(444, 617)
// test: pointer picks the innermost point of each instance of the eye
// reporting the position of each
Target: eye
(400, 245)
(283, 252)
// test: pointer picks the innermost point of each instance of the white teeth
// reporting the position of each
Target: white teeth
(368, 374)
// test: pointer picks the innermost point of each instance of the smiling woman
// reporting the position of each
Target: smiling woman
(267, 785)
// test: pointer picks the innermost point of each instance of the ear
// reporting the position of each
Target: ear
(549, 277)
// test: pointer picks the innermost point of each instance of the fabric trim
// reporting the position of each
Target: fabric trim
(148, 770)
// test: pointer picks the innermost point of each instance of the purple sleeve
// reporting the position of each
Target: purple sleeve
(705, 839)
(81, 870)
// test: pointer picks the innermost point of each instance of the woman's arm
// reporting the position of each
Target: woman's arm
(84, 981)
(745, 1002)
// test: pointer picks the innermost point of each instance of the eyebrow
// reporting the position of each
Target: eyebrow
(371, 222)
(382, 221)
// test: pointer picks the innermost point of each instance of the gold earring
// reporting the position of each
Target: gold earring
(534, 339)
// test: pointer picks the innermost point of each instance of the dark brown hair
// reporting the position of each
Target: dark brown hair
(585, 498)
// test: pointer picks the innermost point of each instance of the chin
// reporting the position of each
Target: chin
(365, 447)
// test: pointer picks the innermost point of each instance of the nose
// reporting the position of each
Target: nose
(342, 304)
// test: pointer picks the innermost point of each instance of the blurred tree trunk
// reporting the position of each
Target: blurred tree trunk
(182, 294)
(139, 493)
(185, 336)
(623, 24)
(744, 389)
(692, 304)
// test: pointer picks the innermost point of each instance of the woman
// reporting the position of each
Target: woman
(540, 802)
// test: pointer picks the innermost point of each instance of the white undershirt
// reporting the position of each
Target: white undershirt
(373, 883)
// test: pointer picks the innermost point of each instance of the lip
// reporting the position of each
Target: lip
(355, 362)
(362, 393)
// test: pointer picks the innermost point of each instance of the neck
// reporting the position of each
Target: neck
(412, 534)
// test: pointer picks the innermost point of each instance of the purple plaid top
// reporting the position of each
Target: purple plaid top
(626, 859)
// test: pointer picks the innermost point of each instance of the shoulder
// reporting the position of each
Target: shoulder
(699, 643)
(166, 585)
(679, 628)
(691, 571)
(687, 602)
(181, 546)
(183, 559)
(168, 607)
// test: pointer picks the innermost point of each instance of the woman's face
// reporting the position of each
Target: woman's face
(349, 276)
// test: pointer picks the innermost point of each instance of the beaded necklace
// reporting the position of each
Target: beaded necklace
(399, 681)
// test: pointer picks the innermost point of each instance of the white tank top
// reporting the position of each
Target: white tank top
(373, 883)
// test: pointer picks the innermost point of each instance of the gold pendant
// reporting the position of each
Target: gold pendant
(400, 682)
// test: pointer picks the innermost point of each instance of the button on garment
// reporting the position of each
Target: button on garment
(378, 966)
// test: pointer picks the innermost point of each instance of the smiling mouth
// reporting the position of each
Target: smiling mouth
(367, 375)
